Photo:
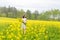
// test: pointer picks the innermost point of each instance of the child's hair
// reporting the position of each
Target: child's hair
(24, 16)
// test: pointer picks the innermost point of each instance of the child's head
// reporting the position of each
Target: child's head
(24, 16)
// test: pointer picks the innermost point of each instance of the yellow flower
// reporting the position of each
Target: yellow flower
(9, 36)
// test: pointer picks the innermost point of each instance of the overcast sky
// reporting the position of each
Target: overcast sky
(40, 5)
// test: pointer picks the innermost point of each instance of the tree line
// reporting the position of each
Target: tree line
(12, 12)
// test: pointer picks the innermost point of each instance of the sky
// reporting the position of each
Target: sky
(40, 5)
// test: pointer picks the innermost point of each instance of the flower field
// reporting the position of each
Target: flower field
(10, 29)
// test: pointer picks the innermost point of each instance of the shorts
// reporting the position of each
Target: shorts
(23, 26)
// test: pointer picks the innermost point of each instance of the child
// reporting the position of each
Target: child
(24, 24)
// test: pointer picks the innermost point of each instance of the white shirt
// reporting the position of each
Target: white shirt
(24, 20)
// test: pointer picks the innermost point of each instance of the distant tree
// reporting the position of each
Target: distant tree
(21, 13)
(4, 10)
(36, 14)
(50, 15)
(55, 14)
(28, 14)
(12, 11)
